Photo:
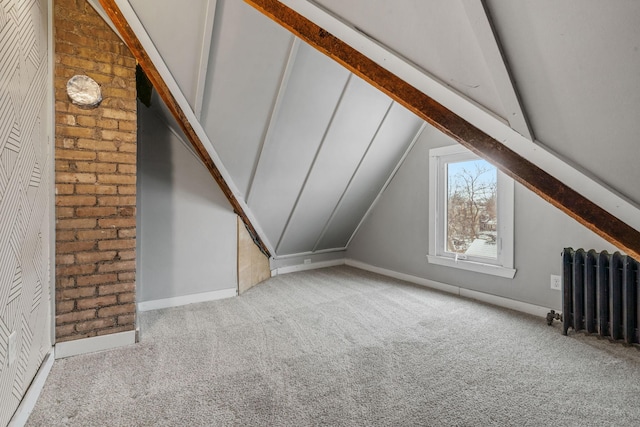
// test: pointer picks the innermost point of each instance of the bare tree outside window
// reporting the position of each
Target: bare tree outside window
(472, 208)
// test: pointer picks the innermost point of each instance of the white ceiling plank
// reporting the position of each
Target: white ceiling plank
(355, 172)
(386, 184)
(581, 181)
(481, 24)
(315, 158)
(284, 81)
(209, 19)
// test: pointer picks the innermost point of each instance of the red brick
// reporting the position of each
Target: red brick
(76, 223)
(128, 148)
(75, 200)
(73, 270)
(64, 189)
(62, 212)
(72, 131)
(96, 212)
(91, 257)
(65, 330)
(92, 325)
(64, 306)
(115, 135)
(65, 282)
(117, 266)
(116, 244)
(127, 233)
(63, 236)
(117, 222)
(96, 234)
(97, 302)
(75, 155)
(65, 259)
(108, 124)
(95, 167)
(126, 298)
(70, 177)
(96, 279)
(71, 247)
(75, 293)
(98, 145)
(126, 189)
(127, 211)
(118, 114)
(127, 276)
(127, 255)
(86, 121)
(127, 125)
(130, 169)
(117, 310)
(116, 288)
(126, 319)
(96, 189)
(116, 179)
(117, 201)
(75, 316)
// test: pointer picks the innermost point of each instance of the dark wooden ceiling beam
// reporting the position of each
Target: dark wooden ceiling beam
(592, 216)
(132, 41)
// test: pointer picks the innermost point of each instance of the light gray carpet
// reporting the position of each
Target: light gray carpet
(340, 347)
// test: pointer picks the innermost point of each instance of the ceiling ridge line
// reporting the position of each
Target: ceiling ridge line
(275, 110)
(498, 66)
(315, 158)
(355, 172)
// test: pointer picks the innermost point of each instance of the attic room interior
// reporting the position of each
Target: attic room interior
(319, 212)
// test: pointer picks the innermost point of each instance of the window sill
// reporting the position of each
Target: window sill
(478, 267)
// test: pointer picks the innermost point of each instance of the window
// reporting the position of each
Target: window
(470, 213)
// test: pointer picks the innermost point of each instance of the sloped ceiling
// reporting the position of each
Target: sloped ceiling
(309, 146)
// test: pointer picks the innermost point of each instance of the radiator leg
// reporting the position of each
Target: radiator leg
(552, 315)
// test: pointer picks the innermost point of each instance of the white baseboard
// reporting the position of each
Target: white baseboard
(187, 299)
(93, 344)
(304, 267)
(511, 304)
(30, 398)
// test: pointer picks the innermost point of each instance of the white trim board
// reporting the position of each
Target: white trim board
(93, 344)
(305, 267)
(511, 304)
(28, 403)
(187, 299)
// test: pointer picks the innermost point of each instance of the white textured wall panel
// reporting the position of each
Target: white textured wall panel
(24, 197)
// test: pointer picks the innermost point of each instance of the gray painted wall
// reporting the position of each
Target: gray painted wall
(187, 230)
(395, 235)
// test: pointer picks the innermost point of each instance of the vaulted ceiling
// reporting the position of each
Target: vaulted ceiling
(308, 146)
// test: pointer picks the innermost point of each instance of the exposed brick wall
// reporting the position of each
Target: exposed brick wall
(95, 179)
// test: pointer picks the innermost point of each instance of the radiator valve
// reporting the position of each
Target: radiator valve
(553, 315)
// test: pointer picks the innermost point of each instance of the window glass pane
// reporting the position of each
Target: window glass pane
(471, 210)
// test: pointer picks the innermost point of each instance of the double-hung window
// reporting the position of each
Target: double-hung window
(470, 213)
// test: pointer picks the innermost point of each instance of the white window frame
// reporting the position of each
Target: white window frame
(503, 266)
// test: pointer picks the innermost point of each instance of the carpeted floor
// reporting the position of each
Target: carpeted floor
(342, 347)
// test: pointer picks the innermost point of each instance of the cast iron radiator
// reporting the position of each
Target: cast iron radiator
(600, 294)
